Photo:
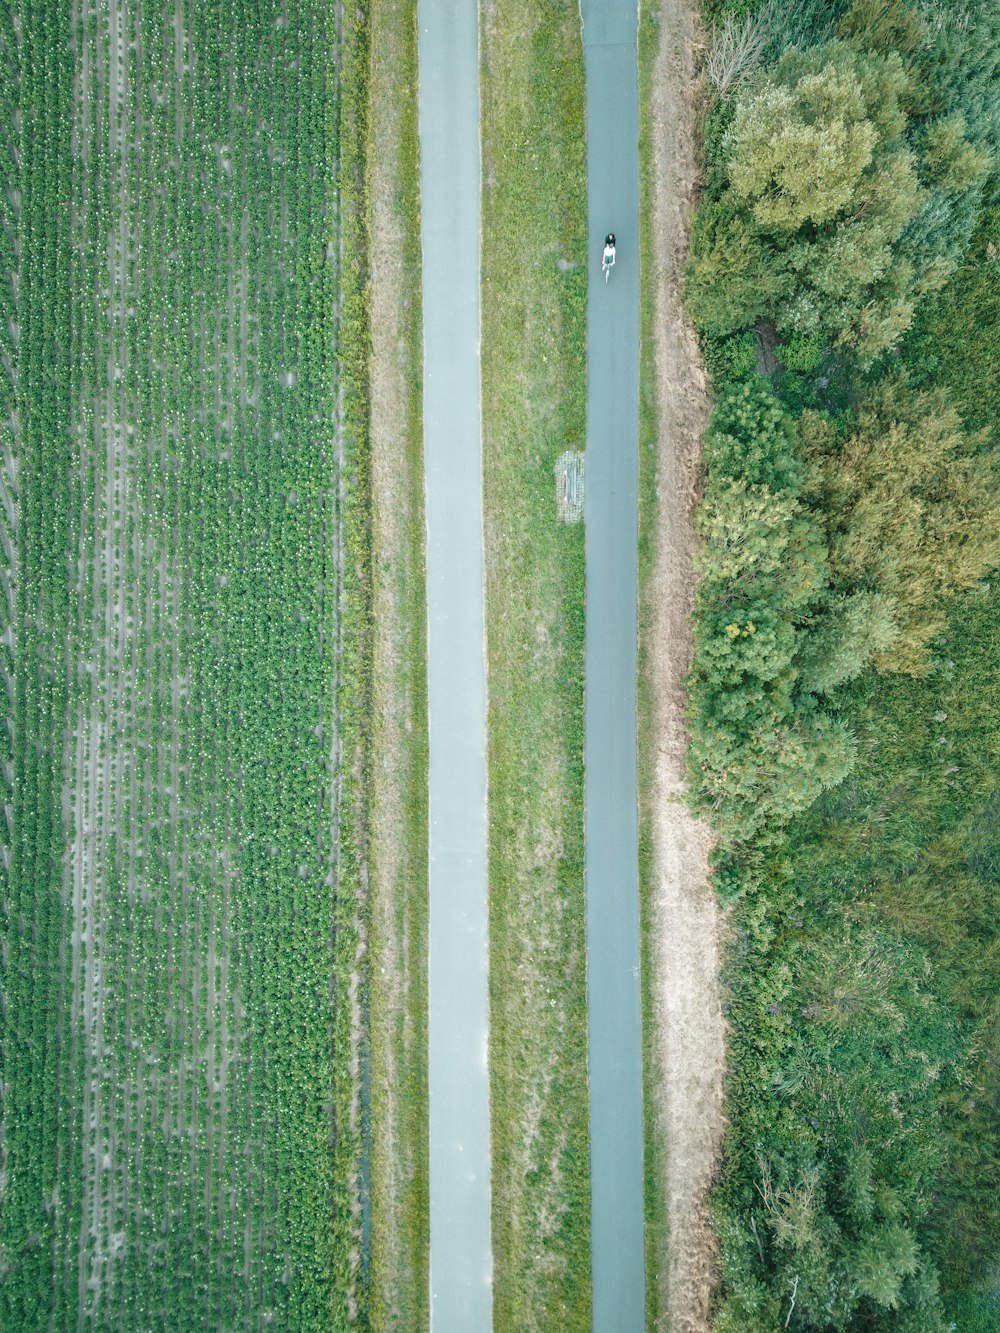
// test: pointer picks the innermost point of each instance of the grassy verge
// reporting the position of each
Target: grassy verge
(351, 1144)
(399, 1292)
(655, 1168)
(534, 406)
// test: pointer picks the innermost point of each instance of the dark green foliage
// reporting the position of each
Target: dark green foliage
(730, 359)
(801, 352)
(955, 340)
(761, 748)
(793, 24)
(957, 67)
(41, 1199)
(861, 1181)
(842, 191)
(883, 25)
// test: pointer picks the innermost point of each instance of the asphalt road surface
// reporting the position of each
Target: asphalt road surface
(461, 1265)
(615, 1024)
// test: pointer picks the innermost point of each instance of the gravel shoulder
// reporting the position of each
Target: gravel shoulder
(683, 925)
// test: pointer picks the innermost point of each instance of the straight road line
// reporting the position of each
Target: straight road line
(610, 35)
(458, 1070)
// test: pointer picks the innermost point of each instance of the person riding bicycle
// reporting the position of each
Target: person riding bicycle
(609, 251)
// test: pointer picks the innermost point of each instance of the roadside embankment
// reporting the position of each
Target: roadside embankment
(682, 923)
(398, 857)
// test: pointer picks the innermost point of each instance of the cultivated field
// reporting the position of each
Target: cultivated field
(183, 1032)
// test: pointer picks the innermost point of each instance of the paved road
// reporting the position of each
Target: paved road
(616, 1147)
(461, 1290)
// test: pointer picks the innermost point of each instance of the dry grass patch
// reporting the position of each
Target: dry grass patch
(398, 888)
(684, 1029)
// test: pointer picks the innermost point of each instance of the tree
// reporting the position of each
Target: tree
(758, 546)
(733, 281)
(851, 629)
(912, 508)
(768, 766)
(761, 750)
(836, 212)
(881, 1259)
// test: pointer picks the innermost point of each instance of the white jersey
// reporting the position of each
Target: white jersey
(609, 254)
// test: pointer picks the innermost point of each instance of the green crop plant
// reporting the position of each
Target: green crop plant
(183, 914)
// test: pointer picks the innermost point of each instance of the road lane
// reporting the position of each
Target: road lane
(460, 1264)
(615, 1020)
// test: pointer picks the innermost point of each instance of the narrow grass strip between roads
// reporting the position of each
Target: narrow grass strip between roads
(399, 1294)
(351, 1142)
(657, 1238)
(534, 407)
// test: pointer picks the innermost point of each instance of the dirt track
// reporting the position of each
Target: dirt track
(686, 921)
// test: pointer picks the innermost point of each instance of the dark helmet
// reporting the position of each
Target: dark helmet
(610, 238)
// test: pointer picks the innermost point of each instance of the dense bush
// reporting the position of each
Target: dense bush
(761, 747)
(853, 524)
(911, 507)
(863, 1008)
(837, 205)
(830, 1178)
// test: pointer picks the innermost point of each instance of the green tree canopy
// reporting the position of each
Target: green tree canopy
(912, 508)
(835, 211)
(761, 748)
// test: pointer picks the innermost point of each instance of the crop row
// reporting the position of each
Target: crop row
(41, 1193)
(177, 1001)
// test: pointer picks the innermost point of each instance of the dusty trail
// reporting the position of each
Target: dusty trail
(689, 1042)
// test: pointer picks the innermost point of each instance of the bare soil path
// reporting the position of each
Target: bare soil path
(689, 1030)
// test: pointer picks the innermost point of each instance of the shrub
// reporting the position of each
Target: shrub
(835, 213)
(730, 359)
(912, 511)
(801, 352)
(853, 629)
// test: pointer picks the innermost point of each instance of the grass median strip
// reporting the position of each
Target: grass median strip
(534, 408)
(655, 1169)
(398, 916)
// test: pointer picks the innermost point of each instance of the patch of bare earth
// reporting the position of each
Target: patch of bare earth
(686, 922)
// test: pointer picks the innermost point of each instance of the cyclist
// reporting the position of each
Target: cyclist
(609, 251)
